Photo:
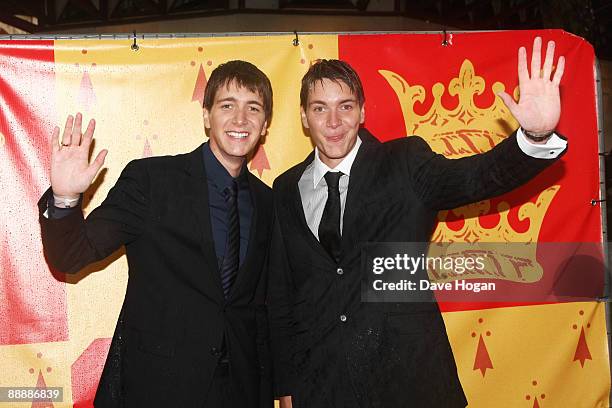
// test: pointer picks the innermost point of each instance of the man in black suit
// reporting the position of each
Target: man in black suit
(330, 350)
(196, 229)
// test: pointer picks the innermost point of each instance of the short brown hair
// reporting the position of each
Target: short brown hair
(244, 74)
(334, 70)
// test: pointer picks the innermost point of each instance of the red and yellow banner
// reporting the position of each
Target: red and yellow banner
(55, 330)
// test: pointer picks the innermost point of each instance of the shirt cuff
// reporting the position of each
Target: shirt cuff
(549, 150)
(52, 212)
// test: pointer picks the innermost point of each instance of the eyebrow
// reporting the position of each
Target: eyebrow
(232, 99)
(317, 102)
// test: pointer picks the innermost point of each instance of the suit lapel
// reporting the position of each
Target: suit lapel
(359, 177)
(197, 170)
(298, 209)
(360, 174)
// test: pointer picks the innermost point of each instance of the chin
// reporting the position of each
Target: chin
(239, 153)
(338, 153)
(239, 144)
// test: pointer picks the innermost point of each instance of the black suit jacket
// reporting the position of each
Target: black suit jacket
(174, 316)
(330, 349)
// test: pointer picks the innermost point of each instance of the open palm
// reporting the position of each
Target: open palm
(71, 172)
(539, 106)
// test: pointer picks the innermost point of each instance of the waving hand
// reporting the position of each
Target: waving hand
(71, 171)
(539, 106)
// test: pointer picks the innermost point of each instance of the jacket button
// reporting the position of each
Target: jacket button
(214, 351)
(339, 271)
(343, 318)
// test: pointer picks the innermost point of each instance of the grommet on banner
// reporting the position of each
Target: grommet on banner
(296, 40)
(445, 41)
(134, 46)
(594, 202)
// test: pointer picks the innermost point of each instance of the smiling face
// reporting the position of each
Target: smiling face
(332, 114)
(236, 121)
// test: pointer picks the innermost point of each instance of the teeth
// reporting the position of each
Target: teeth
(238, 135)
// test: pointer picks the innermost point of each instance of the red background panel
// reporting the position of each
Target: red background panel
(33, 301)
(423, 60)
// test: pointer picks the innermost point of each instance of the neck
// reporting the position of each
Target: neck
(232, 164)
(331, 163)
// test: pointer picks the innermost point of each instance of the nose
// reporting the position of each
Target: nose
(240, 118)
(333, 120)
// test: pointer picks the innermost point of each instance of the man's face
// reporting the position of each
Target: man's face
(236, 121)
(333, 116)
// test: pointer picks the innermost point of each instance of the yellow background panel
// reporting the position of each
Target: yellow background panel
(532, 351)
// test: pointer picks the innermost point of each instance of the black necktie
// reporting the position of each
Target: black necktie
(231, 260)
(329, 228)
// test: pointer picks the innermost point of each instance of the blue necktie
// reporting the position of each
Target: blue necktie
(231, 260)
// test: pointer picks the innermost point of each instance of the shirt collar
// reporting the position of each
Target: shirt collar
(217, 174)
(320, 168)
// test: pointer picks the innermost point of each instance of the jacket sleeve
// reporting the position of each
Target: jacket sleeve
(444, 183)
(280, 315)
(72, 242)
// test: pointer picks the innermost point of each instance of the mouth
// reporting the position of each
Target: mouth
(237, 135)
(334, 138)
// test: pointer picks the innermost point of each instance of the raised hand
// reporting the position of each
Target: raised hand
(539, 106)
(71, 172)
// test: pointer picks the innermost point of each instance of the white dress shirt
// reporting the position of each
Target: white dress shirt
(313, 187)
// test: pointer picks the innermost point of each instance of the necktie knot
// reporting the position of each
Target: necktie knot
(231, 191)
(332, 178)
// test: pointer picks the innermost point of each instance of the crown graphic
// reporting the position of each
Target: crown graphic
(513, 262)
(465, 130)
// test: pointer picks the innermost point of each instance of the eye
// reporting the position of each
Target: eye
(254, 108)
(318, 108)
(226, 106)
(346, 107)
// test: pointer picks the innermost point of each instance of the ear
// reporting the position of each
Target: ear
(264, 129)
(206, 115)
(304, 118)
(362, 114)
